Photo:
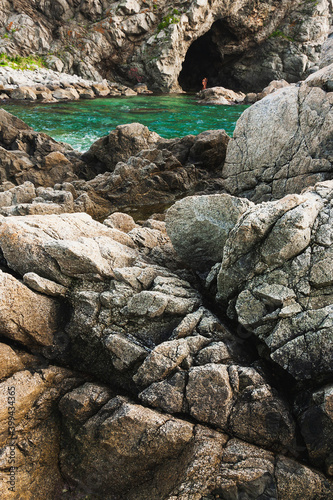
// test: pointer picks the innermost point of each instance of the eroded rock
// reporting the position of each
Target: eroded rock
(282, 144)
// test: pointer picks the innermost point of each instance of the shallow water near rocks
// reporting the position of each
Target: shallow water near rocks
(80, 123)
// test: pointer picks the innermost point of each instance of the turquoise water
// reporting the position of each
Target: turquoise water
(80, 123)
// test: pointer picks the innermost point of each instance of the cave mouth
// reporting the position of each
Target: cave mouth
(205, 59)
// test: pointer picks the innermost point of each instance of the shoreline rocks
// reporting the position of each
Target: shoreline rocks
(41, 176)
(179, 357)
(50, 86)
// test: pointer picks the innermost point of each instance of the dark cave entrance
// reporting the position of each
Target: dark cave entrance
(206, 58)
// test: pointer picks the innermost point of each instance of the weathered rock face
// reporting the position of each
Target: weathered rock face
(61, 248)
(276, 264)
(172, 403)
(161, 172)
(275, 280)
(29, 393)
(153, 177)
(171, 46)
(25, 316)
(188, 460)
(141, 328)
(199, 226)
(27, 155)
(132, 167)
(283, 143)
(275, 271)
(326, 56)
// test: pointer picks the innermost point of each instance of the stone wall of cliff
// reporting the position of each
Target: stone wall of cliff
(240, 44)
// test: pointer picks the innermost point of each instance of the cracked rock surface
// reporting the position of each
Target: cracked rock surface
(183, 357)
(275, 280)
(282, 144)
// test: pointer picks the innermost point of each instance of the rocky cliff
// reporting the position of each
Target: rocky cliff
(242, 44)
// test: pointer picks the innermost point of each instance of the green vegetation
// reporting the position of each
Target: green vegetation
(278, 33)
(172, 18)
(19, 62)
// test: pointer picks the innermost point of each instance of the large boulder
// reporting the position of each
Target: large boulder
(283, 144)
(61, 248)
(121, 143)
(32, 156)
(206, 150)
(276, 278)
(199, 226)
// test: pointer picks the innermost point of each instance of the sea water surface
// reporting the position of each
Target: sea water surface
(80, 123)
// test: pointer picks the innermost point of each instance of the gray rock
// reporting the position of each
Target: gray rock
(282, 281)
(61, 248)
(126, 352)
(326, 56)
(120, 144)
(198, 226)
(290, 150)
(209, 394)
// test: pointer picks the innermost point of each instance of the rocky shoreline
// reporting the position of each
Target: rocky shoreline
(50, 86)
(184, 355)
